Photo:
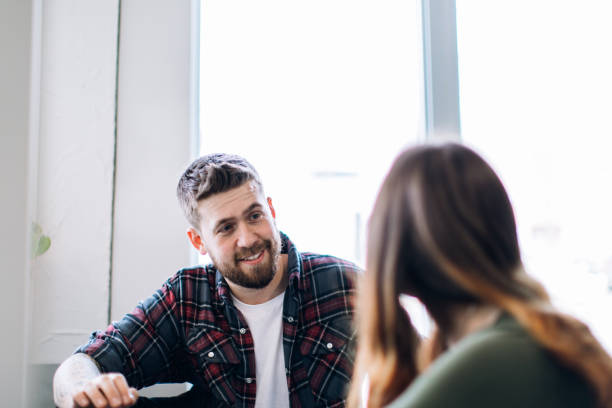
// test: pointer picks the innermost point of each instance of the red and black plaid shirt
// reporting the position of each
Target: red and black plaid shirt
(190, 330)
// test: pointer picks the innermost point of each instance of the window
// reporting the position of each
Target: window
(320, 97)
(331, 90)
(535, 100)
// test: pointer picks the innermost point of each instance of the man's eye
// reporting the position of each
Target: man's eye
(255, 216)
(226, 228)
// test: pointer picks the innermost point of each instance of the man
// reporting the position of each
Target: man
(263, 326)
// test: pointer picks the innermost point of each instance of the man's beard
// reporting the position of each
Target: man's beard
(260, 275)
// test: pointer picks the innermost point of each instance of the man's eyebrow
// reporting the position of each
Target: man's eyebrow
(251, 208)
(228, 219)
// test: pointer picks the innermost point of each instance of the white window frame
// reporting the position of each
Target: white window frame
(440, 66)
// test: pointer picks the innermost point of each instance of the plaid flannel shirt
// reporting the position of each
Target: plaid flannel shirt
(190, 330)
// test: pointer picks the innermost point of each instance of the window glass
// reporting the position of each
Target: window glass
(535, 89)
(319, 96)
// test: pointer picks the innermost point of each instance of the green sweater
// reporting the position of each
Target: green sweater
(500, 366)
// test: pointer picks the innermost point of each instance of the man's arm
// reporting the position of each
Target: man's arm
(79, 383)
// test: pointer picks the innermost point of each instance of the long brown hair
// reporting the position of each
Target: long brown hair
(443, 230)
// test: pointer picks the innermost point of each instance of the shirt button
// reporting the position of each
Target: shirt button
(290, 319)
(242, 330)
(329, 345)
(248, 380)
(211, 354)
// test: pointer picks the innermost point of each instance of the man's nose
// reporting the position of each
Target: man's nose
(246, 236)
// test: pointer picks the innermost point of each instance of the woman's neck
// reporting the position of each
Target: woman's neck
(469, 319)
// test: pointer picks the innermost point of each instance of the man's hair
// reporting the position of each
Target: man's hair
(212, 174)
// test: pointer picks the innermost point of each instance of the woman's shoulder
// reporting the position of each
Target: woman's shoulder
(499, 366)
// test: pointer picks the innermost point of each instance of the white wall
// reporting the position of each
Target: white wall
(155, 126)
(97, 204)
(153, 148)
(15, 40)
(100, 175)
(75, 174)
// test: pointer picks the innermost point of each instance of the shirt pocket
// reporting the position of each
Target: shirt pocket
(328, 337)
(212, 346)
(216, 358)
(327, 353)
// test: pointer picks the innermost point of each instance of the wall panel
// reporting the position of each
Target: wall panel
(70, 282)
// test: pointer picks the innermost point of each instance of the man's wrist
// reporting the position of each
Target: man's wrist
(74, 373)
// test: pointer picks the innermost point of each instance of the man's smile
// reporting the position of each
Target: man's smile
(254, 259)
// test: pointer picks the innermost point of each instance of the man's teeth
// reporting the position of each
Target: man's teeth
(252, 258)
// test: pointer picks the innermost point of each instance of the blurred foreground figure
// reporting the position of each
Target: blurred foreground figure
(443, 230)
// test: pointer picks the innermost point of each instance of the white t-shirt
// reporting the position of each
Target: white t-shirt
(266, 324)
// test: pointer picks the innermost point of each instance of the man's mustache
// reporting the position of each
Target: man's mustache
(255, 249)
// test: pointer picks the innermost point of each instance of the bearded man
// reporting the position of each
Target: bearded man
(264, 325)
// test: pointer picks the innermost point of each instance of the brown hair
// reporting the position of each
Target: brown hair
(208, 175)
(443, 230)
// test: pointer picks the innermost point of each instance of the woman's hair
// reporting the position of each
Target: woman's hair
(443, 230)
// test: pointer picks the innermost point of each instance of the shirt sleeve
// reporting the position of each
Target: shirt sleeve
(145, 345)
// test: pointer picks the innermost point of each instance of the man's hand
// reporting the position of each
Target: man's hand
(106, 390)
(79, 383)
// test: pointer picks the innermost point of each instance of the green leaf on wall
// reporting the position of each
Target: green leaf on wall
(40, 242)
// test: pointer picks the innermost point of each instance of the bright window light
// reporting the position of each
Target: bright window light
(319, 96)
(535, 90)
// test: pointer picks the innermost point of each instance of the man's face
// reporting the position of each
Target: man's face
(239, 233)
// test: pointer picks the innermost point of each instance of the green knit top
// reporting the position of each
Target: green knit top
(500, 366)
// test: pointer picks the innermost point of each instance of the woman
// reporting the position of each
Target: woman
(443, 230)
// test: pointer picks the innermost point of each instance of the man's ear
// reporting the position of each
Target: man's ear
(196, 240)
(271, 208)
